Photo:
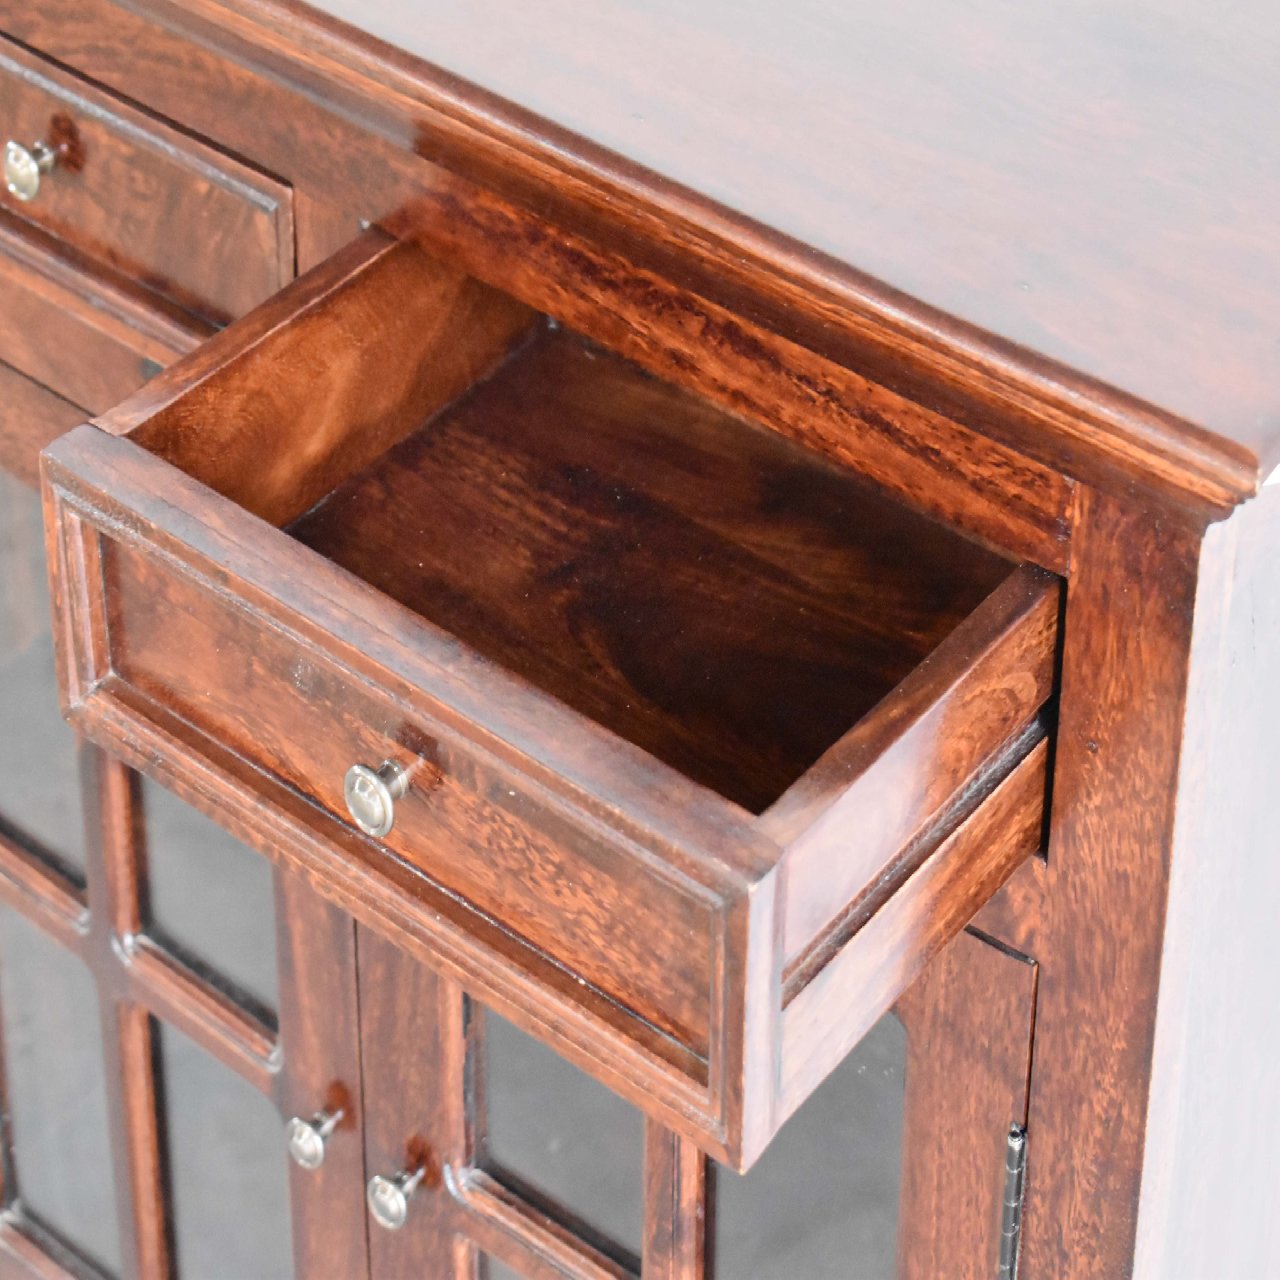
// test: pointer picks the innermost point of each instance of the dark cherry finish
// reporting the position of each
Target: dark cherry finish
(320, 1033)
(72, 326)
(1008, 183)
(693, 584)
(324, 378)
(30, 417)
(719, 740)
(970, 1021)
(676, 1219)
(1125, 667)
(1119, 431)
(159, 206)
(890, 935)
(683, 579)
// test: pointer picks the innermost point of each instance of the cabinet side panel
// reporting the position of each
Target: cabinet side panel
(1214, 1115)
(1127, 635)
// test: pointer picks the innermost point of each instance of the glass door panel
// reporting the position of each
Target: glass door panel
(563, 1139)
(209, 900)
(823, 1200)
(228, 1179)
(56, 1098)
(40, 801)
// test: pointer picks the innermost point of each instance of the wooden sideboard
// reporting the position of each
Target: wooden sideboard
(666, 620)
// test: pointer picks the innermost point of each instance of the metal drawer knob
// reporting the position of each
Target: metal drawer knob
(371, 795)
(388, 1198)
(24, 167)
(307, 1138)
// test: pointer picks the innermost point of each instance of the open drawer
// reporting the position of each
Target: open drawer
(694, 749)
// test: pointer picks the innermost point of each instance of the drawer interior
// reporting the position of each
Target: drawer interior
(695, 583)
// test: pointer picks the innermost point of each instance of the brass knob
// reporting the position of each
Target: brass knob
(371, 795)
(388, 1198)
(24, 167)
(307, 1138)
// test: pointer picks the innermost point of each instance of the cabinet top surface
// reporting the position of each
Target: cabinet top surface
(1096, 183)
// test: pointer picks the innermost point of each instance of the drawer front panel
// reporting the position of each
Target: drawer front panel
(30, 417)
(466, 824)
(89, 339)
(163, 209)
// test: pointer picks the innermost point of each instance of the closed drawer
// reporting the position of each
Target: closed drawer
(74, 339)
(161, 208)
(90, 337)
(708, 748)
(30, 417)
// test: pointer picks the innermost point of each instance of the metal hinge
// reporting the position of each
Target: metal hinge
(1015, 1172)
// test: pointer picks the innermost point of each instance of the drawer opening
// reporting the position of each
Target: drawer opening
(698, 586)
(713, 745)
(710, 592)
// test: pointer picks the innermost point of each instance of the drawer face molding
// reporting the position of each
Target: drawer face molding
(30, 417)
(70, 327)
(156, 205)
(710, 747)
(500, 841)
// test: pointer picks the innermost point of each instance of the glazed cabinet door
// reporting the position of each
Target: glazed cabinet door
(167, 1001)
(489, 1157)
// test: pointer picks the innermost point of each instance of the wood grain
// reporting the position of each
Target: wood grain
(1120, 735)
(1107, 422)
(1010, 181)
(601, 285)
(676, 1210)
(917, 454)
(415, 1100)
(969, 1021)
(602, 862)
(159, 206)
(321, 1071)
(70, 325)
(716, 598)
(319, 382)
(467, 824)
(824, 1019)
(872, 795)
(30, 417)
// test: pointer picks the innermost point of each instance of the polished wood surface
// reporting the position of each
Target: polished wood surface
(324, 378)
(980, 150)
(1030, 303)
(676, 1221)
(970, 1022)
(30, 418)
(319, 1016)
(694, 585)
(894, 938)
(1123, 701)
(685, 579)
(160, 207)
(1109, 435)
(70, 325)
(465, 823)
(629, 293)
(979, 693)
